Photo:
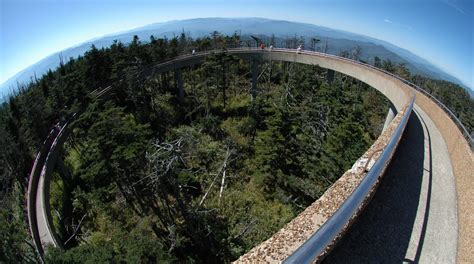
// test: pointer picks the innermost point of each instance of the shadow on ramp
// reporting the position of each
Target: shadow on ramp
(382, 233)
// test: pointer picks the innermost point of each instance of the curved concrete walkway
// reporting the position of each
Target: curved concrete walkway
(39, 211)
(413, 216)
(44, 232)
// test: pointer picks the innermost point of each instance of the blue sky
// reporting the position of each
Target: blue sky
(441, 31)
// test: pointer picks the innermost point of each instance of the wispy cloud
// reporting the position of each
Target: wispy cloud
(386, 20)
(454, 4)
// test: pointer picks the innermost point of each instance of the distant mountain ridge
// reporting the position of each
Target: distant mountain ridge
(338, 40)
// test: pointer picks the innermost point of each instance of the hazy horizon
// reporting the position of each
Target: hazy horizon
(430, 46)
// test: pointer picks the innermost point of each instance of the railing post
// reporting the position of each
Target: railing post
(330, 76)
(392, 112)
(254, 68)
(179, 85)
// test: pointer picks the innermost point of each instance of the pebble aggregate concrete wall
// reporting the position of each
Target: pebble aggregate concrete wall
(462, 161)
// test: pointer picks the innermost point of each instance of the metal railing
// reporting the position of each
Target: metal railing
(324, 237)
(457, 122)
(466, 134)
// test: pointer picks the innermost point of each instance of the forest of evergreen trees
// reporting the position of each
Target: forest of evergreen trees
(147, 176)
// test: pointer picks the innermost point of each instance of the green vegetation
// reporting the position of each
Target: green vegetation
(147, 176)
(451, 95)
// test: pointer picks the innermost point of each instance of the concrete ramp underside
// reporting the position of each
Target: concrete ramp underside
(413, 215)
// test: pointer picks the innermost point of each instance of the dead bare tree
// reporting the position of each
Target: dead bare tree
(224, 167)
(287, 95)
(356, 53)
(246, 228)
(222, 171)
(208, 189)
(315, 123)
(75, 229)
(165, 155)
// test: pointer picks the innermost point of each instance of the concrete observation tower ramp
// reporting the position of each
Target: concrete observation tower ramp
(422, 164)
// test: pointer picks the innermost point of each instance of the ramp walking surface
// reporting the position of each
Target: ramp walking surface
(412, 217)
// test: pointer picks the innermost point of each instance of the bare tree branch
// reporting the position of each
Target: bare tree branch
(208, 189)
(246, 228)
(76, 229)
(224, 166)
